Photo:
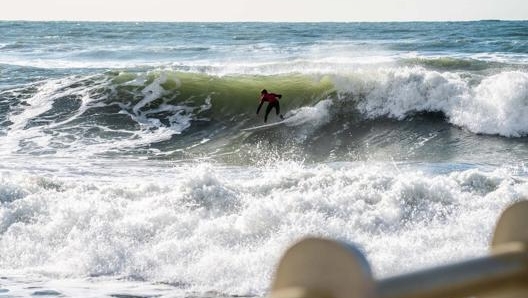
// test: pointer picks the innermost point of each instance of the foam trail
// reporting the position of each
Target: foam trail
(35, 106)
(82, 95)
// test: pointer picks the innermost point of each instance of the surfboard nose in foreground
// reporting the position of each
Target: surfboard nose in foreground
(323, 268)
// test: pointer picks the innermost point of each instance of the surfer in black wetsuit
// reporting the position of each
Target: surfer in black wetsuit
(273, 102)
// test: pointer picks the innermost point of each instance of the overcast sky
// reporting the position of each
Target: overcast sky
(264, 10)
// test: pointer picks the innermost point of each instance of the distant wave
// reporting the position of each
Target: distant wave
(456, 64)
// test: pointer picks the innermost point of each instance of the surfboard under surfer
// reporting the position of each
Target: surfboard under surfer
(273, 102)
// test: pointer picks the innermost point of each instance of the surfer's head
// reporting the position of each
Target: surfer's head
(264, 91)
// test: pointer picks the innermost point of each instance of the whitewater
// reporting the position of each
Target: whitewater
(125, 172)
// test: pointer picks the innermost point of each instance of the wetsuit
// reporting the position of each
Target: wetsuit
(273, 102)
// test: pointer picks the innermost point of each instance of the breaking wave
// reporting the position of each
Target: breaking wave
(165, 111)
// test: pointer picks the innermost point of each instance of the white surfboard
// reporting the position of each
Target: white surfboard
(265, 126)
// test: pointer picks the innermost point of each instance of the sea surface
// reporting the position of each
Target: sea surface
(125, 172)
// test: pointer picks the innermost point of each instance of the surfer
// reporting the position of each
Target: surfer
(273, 102)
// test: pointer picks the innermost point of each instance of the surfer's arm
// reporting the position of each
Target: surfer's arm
(260, 106)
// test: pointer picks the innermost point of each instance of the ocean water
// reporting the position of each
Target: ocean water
(124, 170)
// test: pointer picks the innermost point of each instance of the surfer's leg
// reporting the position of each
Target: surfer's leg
(277, 108)
(268, 110)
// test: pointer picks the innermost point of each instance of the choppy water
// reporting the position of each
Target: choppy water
(124, 169)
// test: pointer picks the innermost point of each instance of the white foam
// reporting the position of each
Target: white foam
(34, 106)
(21, 137)
(496, 105)
(209, 228)
(316, 115)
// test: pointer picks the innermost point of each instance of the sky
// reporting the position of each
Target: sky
(264, 10)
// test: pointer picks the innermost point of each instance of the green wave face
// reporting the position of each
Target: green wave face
(228, 95)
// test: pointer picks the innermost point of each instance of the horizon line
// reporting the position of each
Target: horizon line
(261, 21)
